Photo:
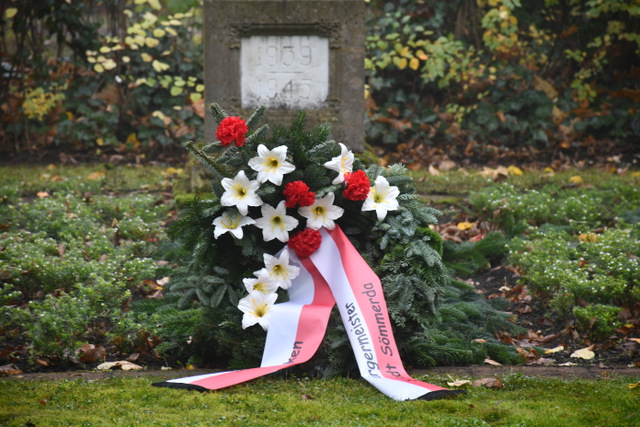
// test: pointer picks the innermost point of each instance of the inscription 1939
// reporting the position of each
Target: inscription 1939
(284, 71)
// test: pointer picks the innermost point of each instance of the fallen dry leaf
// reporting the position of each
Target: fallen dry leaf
(490, 382)
(492, 362)
(42, 194)
(94, 176)
(584, 353)
(554, 349)
(122, 364)
(10, 369)
(90, 353)
(458, 383)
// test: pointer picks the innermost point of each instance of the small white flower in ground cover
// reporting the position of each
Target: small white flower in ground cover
(257, 309)
(382, 198)
(341, 164)
(261, 283)
(271, 165)
(231, 222)
(280, 270)
(275, 223)
(322, 213)
(240, 192)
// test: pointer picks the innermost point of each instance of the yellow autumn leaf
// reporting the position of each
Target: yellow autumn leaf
(514, 171)
(133, 140)
(10, 12)
(577, 179)
(109, 64)
(159, 66)
(151, 42)
(98, 68)
(159, 32)
(146, 57)
(421, 55)
(95, 176)
(199, 88)
(105, 49)
(126, 59)
(465, 225)
(414, 63)
(129, 41)
(171, 31)
(155, 4)
(635, 385)
(584, 353)
(635, 174)
(555, 349)
(42, 194)
(150, 17)
(400, 62)
(588, 237)
(99, 142)
(549, 169)
(195, 97)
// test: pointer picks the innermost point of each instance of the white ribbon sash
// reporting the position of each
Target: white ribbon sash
(335, 273)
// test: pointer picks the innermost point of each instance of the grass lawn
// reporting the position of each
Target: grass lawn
(523, 401)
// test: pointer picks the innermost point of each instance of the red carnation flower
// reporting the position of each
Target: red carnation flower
(357, 186)
(297, 193)
(232, 129)
(305, 242)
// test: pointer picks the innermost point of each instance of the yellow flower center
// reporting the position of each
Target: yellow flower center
(277, 221)
(259, 287)
(272, 163)
(241, 192)
(319, 211)
(261, 311)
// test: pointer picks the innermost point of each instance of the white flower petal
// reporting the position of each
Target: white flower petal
(261, 283)
(257, 308)
(322, 213)
(341, 164)
(240, 192)
(271, 165)
(275, 223)
(280, 270)
(231, 222)
(382, 198)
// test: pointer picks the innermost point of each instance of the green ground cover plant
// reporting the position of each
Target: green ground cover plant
(579, 251)
(522, 401)
(72, 255)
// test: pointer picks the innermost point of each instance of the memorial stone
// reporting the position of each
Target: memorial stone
(288, 55)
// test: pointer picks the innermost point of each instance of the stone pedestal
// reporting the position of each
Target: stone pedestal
(288, 55)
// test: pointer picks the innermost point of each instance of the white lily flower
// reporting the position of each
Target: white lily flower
(271, 164)
(261, 283)
(231, 222)
(382, 198)
(275, 223)
(322, 213)
(341, 164)
(257, 309)
(240, 192)
(280, 270)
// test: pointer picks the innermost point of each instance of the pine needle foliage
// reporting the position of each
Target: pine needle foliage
(403, 250)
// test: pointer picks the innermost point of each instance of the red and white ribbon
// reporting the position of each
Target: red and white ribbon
(335, 273)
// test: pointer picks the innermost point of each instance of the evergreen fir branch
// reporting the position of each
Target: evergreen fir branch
(217, 112)
(219, 171)
(258, 135)
(255, 118)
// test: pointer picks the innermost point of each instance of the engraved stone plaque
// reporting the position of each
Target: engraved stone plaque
(289, 56)
(289, 72)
